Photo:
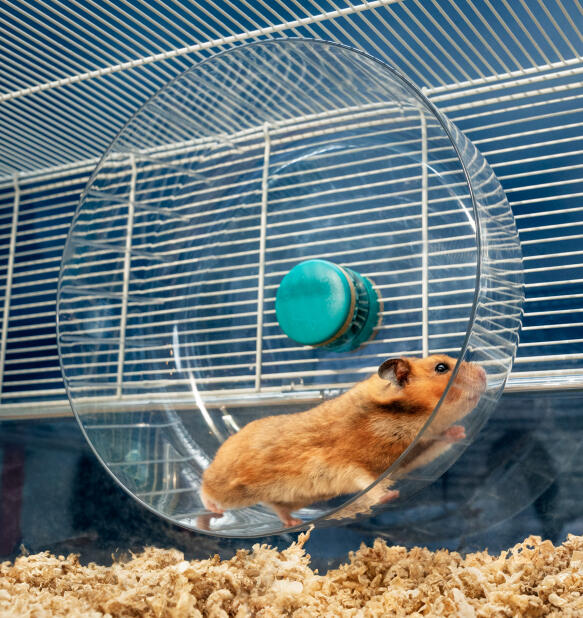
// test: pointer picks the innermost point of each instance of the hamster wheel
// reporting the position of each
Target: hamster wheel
(264, 159)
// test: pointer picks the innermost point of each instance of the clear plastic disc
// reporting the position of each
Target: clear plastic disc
(247, 164)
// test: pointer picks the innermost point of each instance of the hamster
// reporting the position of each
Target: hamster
(342, 445)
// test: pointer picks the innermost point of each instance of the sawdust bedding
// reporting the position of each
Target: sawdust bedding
(533, 578)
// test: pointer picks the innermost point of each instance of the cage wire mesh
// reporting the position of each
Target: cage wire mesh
(508, 74)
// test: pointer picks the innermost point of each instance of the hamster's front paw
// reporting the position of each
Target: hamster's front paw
(389, 496)
(455, 433)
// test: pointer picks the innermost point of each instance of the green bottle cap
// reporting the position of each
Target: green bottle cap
(321, 304)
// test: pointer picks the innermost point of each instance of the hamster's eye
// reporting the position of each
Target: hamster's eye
(441, 368)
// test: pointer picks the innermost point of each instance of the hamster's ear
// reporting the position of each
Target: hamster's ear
(396, 371)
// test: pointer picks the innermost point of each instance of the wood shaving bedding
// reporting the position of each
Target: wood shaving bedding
(534, 578)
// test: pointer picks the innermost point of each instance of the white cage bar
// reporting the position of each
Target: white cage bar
(509, 74)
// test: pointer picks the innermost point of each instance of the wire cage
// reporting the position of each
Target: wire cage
(507, 74)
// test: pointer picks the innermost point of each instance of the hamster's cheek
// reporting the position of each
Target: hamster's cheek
(458, 403)
(454, 395)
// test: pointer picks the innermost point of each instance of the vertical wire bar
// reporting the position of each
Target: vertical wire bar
(261, 274)
(9, 274)
(424, 240)
(126, 278)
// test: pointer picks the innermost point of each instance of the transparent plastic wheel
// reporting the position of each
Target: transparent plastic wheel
(276, 182)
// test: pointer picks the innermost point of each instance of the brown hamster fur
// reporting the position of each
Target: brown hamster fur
(342, 445)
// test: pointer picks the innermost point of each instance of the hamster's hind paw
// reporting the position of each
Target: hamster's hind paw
(284, 514)
(204, 521)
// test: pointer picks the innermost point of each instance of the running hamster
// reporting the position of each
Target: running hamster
(342, 445)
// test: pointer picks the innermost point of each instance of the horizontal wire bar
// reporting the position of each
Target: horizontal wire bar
(187, 50)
